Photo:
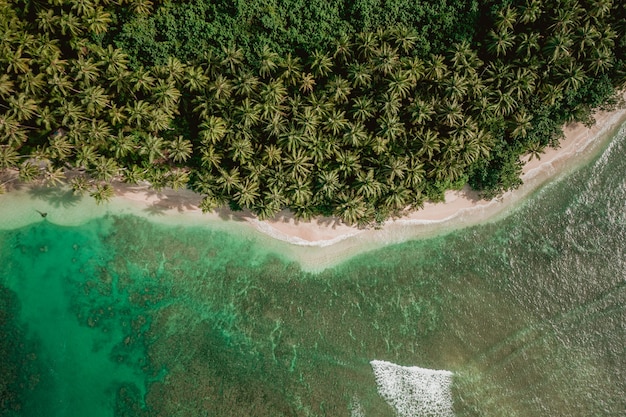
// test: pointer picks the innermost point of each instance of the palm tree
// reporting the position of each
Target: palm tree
(47, 20)
(241, 149)
(506, 17)
(30, 83)
(390, 128)
(501, 42)
(291, 70)
(248, 113)
(22, 107)
(336, 122)
(343, 48)
(429, 143)
(351, 209)
(328, 183)
(248, 193)
(160, 119)
(95, 99)
(558, 47)
(368, 186)
(233, 58)
(504, 103)
(436, 69)
(229, 180)
(29, 172)
(143, 80)
(528, 44)
(97, 20)
(195, 80)
(12, 132)
(367, 44)
(102, 193)
(405, 38)
(307, 83)
(246, 84)
(415, 173)
(421, 111)
(565, 18)
(60, 147)
(498, 74)
(301, 195)
(117, 115)
(9, 157)
(273, 92)
(399, 84)
(523, 83)
(213, 129)
(105, 169)
(398, 197)
(321, 63)
(269, 62)
(221, 88)
(521, 124)
(6, 86)
(141, 7)
(339, 89)
(272, 155)
(389, 104)
(174, 71)
(601, 61)
(451, 113)
(531, 12)
(79, 184)
(114, 60)
(600, 9)
(349, 162)
(166, 95)
(455, 87)
(355, 135)
(53, 177)
(360, 75)
(153, 147)
(395, 168)
(180, 149)
(573, 77)
(274, 199)
(363, 108)
(386, 59)
(298, 164)
(414, 69)
(210, 157)
(138, 114)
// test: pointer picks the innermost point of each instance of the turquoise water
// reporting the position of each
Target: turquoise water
(124, 317)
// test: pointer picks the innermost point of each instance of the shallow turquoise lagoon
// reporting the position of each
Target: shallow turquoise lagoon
(124, 317)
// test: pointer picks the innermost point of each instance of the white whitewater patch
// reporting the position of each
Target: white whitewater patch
(356, 409)
(414, 391)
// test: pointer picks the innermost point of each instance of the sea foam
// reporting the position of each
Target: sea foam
(414, 391)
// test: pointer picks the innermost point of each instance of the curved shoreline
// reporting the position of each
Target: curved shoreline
(321, 242)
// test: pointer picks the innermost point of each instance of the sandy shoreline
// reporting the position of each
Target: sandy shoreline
(320, 242)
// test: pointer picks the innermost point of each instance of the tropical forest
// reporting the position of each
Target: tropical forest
(357, 109)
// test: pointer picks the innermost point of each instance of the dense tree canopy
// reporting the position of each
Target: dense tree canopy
(361, 126)
(187, 30)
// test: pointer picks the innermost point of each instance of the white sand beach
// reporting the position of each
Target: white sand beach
(321, 242)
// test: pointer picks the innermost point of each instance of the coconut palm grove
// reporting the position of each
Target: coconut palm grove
(359, 109)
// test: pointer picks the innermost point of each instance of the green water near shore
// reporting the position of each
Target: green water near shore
(124, 317)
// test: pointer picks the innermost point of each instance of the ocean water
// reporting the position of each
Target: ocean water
(521, 317)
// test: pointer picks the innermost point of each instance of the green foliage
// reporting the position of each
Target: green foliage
(188, 30)
(357, 125)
